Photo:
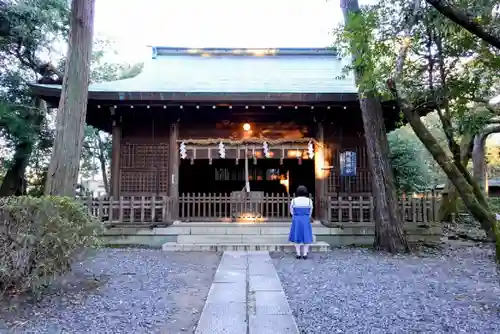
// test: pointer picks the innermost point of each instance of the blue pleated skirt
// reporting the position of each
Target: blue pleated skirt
(301, 229)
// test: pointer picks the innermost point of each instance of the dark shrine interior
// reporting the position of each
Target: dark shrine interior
(224, 176)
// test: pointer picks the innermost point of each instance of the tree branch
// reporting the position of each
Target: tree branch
(406, 40)
(465, 20)
(43, 69)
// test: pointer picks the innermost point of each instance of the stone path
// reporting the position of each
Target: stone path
(246, 297)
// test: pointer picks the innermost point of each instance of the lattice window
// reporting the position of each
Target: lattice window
(134, 182)
(163, 176)
(144, 155)
(162, 155)
(144, 168)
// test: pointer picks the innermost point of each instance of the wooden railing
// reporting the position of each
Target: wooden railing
(227, 207)
(163, 210)
(190, 207)
(133, 209)
(422, 209)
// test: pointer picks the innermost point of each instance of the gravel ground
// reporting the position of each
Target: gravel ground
(121, 291)
(358, 291)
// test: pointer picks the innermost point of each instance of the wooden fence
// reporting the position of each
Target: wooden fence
(163, 210)
(228, 207)
(422, 209)
(190, 207)
(133, 209)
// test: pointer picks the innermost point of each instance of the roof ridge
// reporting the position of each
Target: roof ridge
(219, 51)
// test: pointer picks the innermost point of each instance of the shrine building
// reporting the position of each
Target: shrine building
(206, 125)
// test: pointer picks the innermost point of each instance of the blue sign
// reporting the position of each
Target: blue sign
(348, 163)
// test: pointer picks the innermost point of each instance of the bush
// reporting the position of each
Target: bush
(39, 237)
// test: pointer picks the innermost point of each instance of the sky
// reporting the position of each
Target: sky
(133, 24)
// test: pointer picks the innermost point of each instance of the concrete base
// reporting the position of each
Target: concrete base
(270, 236)
(235, 237)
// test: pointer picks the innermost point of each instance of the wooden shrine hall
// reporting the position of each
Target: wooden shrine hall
(212, 130)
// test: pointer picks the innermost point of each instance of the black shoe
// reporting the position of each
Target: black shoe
(298, 257)
(304, 257)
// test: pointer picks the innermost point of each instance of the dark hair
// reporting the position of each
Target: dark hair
(301, 192)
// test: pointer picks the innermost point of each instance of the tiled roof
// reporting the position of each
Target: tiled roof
(235, 71)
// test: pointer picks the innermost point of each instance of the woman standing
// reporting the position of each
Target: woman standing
(301, 209)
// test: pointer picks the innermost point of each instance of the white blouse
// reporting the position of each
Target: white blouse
(301, 202)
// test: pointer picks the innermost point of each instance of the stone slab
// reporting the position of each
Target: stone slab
(221, 293)
(227, 318)
(229, 304)
(268, 282)
(233, 239)
(319, 246)
(271, 302)
(273, 324)
(263, 269)
(230, 276)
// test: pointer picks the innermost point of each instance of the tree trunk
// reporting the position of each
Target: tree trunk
(62, 176)
(14, 182)
(479, 161)
(102, 161)
(449, 205)
(466, 190)
(389, 234)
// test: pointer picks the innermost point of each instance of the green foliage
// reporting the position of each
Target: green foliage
(409, 168)
(29, 25)
(29, 28)
(413, 167)
(96, 151)
(104, 68)
(445, 63)
(39, 238)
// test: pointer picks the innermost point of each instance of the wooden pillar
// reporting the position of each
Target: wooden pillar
(116, 138)
(173, 189)
(319, 184)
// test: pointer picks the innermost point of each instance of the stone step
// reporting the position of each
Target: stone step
(274, 228)
(319, 246)
(234, 239)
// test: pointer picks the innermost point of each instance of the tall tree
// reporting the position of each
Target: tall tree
(448, 90)
(62, 175)
(437, 66)
(389, 234)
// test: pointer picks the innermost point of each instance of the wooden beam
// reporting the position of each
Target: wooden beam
(116, 136)
(173, 188)
(319, 184)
